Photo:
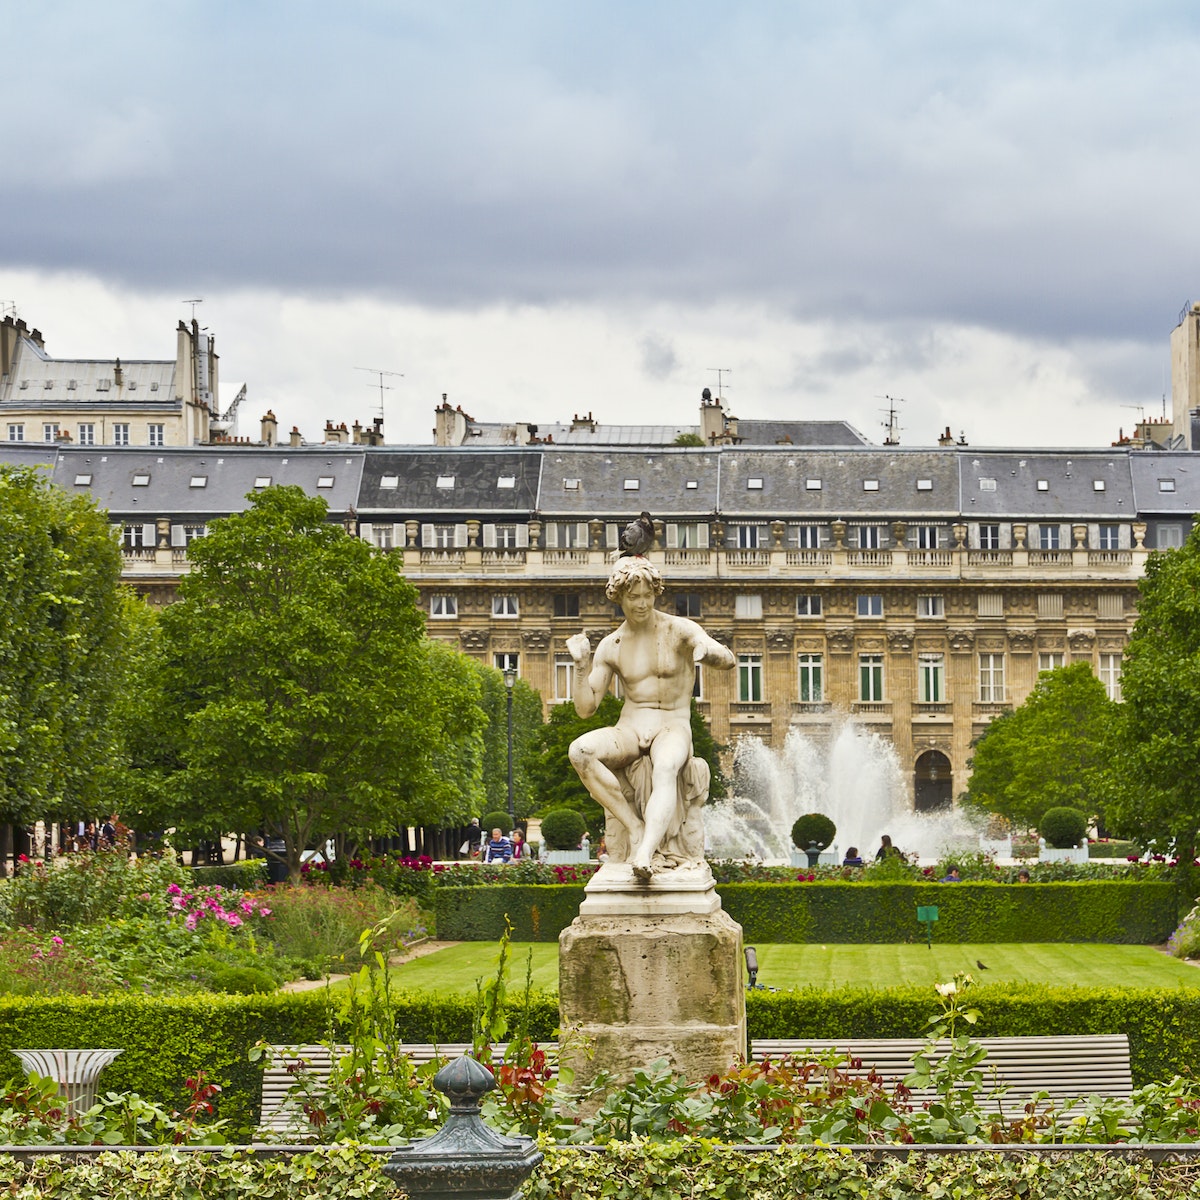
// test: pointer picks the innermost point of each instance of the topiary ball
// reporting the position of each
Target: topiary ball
(563, 828)
(813, 828)
(494, 820)
(241, 981)
(1063, 828)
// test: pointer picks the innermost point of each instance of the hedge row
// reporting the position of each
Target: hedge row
(1130, 912)
(167, 1039)
(624, 1171)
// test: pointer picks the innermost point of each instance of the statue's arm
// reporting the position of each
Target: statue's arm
(591, 677)
(708, 650)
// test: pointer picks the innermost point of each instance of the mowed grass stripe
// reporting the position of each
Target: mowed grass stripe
(456, 968)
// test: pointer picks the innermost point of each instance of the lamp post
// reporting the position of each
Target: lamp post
(510, 678)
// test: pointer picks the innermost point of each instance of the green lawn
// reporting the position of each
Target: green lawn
(456, 968)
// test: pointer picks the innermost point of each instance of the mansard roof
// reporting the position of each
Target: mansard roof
(1027, 484)
(454, 481)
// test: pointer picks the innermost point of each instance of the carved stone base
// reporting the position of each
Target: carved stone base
(614, 891)
(636, 988)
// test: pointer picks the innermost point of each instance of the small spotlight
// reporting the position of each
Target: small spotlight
(751, 967)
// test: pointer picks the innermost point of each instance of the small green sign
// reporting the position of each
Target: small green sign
(927, 914)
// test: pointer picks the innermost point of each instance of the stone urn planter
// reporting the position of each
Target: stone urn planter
(565, 856)
(1072, 854)
(829, 857)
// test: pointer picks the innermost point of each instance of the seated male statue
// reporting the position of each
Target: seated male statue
(641, 770)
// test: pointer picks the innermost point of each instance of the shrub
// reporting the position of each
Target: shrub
(563, 828)
(495, 820)
(538, 912)
(1063, 828)
(248, 873)
(813, 829)
(241, 981)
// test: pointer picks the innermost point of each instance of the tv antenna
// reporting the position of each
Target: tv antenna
(1141, 411)
(383, 387)
(8, 308)
(721, 372)
(892, 424)
(193, 303)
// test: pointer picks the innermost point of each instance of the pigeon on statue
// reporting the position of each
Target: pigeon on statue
(638, 536)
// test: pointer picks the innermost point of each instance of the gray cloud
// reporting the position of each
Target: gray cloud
(657, 357)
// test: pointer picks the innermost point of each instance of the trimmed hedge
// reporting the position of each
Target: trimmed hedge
(1163, 1026)
(247, 873)
(538, 911)
(167, 1038)
(624, 1171)
(1126, 912)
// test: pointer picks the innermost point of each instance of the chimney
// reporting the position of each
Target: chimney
(947, 438)
(270, 429)
(712, 419)
(118, 374)
(294, 437)
(358, 437)
(450, 427)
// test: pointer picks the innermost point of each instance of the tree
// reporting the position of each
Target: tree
(1157, 764)
(305, 698)
(688, 439)
(527, 721)
(555, 782)
(62, 636)
(1052, 751)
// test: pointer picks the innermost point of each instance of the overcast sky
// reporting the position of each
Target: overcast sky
(543, 208)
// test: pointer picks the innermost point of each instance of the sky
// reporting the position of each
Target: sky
(984, 211)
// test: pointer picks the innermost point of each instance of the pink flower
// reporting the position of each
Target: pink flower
(193, 919)
(174, 890)
(58, 941)
(264, 912)
(247, 906)
(232, 920)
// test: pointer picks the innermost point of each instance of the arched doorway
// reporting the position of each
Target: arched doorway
(933, 782)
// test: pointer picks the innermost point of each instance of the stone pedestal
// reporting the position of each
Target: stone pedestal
(649, 972)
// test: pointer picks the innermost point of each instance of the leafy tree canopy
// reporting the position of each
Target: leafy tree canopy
(61, 641)
(306, 699)
(527, 721)
(1158, 760)
(1052, 751)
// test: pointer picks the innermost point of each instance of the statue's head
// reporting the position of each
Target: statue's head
(630, 570)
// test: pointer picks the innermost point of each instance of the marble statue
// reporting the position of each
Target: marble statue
(641, 770)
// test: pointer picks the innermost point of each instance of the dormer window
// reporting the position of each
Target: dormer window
(1043, 485)
(812, 485)
(506, 481)
(445, 481)
(632, 485)
(389, 482)
(83, 481)
(570, 485)
(262, 481)
(870, 485)
(142, 479)
(754, 484)
(1098, 485)
(924, 485)
(324, 481)
(1166, 485)
(199, 481)
(987, 485)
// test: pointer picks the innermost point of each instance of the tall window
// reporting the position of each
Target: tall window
(749, 537)
(443, 536)
(812, 690)
(1049, 660)
(750, 678)
(991, 678)
(49, 431)
(690, 536)
(564, 675)
(1110, 675)
(870, 605)
(688, 604)
(508, 660)
(138, 537)
(443, 605)
(870, 678)
(931, 678)
(155, 434)
(1048, 537)
(923, 537)
(381, 536)
(1109, 537)
(747, 607)
(505, 606)
(121, 433)
(804, 537)
(506, 537)
(869, 537)
(566, 604)
(989, 537)
(809, 605)
(87, 433)
(931, 606)
(16, 433)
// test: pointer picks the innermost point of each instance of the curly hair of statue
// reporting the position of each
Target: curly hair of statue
(630, 570)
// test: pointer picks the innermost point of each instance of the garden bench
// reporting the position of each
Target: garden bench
(279, 1117)
(1063, 1067)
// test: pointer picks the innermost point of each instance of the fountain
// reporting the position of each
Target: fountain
(854, 778)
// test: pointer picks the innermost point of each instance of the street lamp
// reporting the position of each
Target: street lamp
(510, 678)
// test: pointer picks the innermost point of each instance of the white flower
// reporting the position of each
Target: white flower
(946, 989)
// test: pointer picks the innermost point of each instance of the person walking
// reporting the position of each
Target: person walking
(474, 838)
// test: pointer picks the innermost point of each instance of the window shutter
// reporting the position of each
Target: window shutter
(460, 537)
(672, 536)
(522, 536)
(702, 535)
(399, 535)
(1123, 537)
(149, 536)
(973, 536)
(177, 536)
(427, 538)
(1065, 541)
(1093, 536)
(366, 530)
(1005, 537)
(551, 535)
(489, 537)
(612, 536)
(884, 536)
(581, 535)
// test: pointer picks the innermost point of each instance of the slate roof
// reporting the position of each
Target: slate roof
(474, 476)
(1071, 478)
(229, 474)
(600, 478)
(752, 432)
(1181, 469)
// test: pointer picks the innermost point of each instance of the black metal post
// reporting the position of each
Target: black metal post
(510, 678)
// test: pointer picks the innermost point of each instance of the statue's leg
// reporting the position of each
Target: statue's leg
(670, 752)
(594, 755)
